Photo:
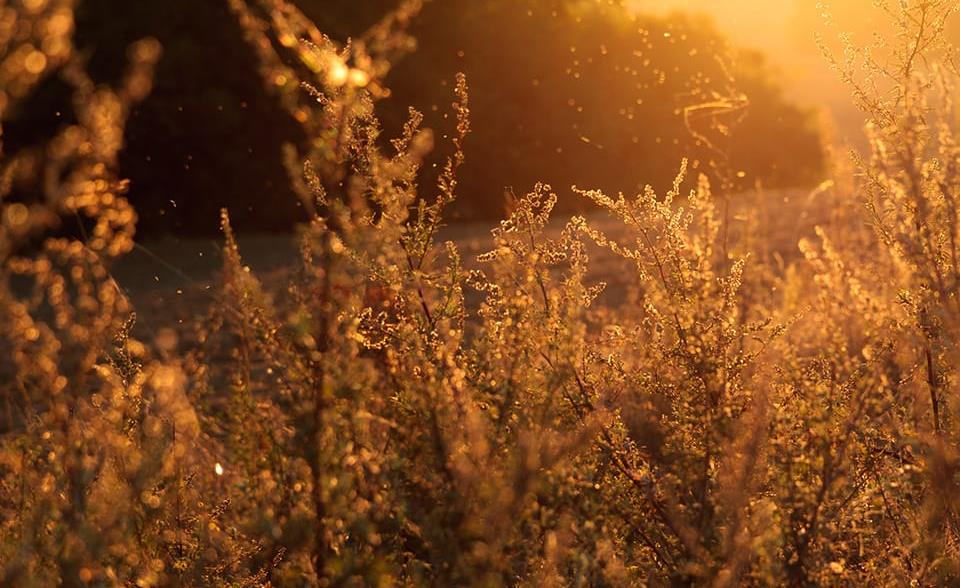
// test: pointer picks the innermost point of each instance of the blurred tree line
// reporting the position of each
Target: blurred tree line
(563, 91)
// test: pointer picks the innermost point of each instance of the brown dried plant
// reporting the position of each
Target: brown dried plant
(396, 413)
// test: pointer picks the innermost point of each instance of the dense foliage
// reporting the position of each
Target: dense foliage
(399, 414)
(209, 135)
(589, 92)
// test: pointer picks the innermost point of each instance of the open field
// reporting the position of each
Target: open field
(159, 272)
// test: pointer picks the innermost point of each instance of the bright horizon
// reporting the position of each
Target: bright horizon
(786, 32)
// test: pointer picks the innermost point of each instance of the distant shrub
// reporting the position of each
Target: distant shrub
(595, 93)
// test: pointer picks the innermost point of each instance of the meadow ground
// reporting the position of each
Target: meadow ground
(172, 277)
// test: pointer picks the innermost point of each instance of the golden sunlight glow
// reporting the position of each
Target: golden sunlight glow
(337, 72)
(787, 32)
(722, 350)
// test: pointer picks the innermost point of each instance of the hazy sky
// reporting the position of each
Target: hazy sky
(785, 28)
(786, 31)
(772, 22)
